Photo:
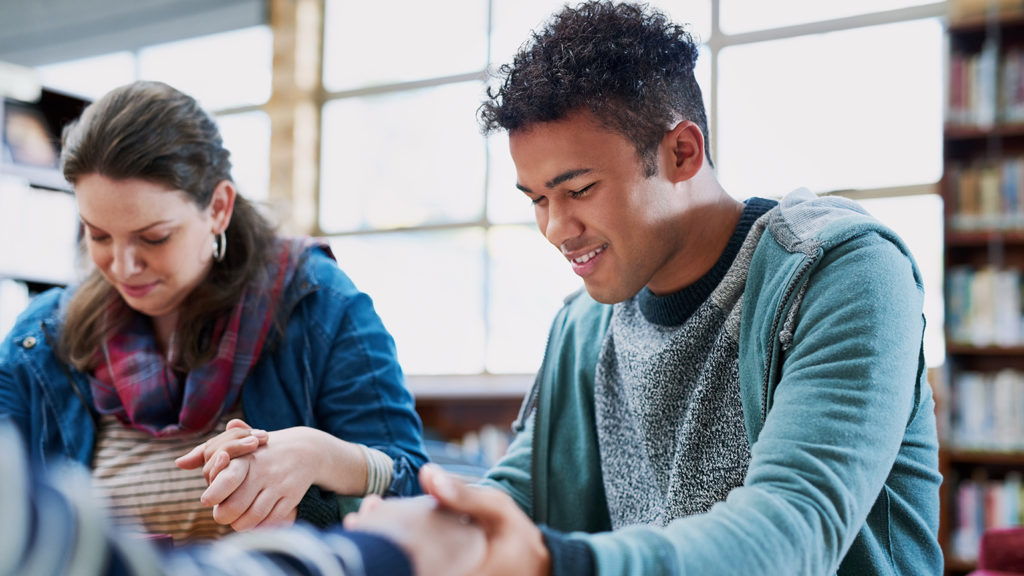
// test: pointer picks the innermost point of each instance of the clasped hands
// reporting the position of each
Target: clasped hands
(251, 480)
(257, 479)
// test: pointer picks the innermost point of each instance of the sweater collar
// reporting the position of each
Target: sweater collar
(674, 309)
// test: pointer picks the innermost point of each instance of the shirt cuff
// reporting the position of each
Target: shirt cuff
(319, 508)
(381, 557)
(569, 557)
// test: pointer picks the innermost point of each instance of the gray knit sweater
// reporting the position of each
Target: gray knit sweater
(669, 417)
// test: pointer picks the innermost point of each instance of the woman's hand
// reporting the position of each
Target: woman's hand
(251, 487)
(238, 439)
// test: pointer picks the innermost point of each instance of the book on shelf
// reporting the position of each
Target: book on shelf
(983, 504)
(987, 194)
(973, 95)
(983, 306)
(986, 87)
(987, 411)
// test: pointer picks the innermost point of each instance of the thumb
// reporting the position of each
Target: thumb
(237, 423)
(194, 459)
(485, 506)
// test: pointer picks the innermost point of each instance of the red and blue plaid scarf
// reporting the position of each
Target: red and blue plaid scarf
(134, 382)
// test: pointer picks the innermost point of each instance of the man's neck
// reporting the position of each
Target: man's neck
(707, 233)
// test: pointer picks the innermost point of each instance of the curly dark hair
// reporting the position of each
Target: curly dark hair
(626, 63)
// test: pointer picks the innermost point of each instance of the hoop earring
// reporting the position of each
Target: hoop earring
(220, 246)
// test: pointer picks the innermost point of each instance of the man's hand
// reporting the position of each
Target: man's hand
(514, 545)
(438, 542)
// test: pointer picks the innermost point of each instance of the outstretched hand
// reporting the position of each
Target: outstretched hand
(438, 542)
(514, 545)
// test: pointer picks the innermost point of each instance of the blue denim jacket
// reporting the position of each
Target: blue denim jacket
(335, 369)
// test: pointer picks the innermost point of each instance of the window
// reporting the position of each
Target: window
(228, 73)
(423, 211)
(851, 109)
(402, 159)
(851, 105)
(221, 71)
(748, 15)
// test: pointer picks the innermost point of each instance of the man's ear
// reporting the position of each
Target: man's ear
(684, 151)
(222, 205)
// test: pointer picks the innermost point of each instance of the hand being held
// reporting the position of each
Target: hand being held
(245, 498)
(513, 545)
(256, 478)
(438, 542)
(238, 439)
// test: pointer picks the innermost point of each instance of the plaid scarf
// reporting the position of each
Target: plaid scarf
(134, 382)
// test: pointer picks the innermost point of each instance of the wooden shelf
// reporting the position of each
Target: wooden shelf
(979, 25)
(958, 349)
(982, 238)
(967, 132)
(1008, 458)
(955, 565)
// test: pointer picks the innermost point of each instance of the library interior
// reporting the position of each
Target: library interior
(357, 123)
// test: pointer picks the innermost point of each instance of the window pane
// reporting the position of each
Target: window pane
(514, 20)
(372, 43)
(506, 204)
(247, 136)
(696, 14)
(529, 280)
(746, 15)
(402, 159)
(90, 78)
(854, 109)
(50, 257)
(923, 235)
(426, 287)
(512, 23)
(219, 70)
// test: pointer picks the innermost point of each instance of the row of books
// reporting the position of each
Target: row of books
(982, 504)
(983, 306)
(986, 87)
(987, 411)
(987, 194)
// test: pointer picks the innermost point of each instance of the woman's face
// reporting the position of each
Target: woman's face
(152, 243)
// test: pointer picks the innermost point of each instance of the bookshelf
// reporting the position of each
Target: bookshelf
(982, 436)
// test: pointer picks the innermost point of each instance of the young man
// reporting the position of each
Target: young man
(742, 388)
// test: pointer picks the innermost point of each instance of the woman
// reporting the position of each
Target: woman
(196, 313)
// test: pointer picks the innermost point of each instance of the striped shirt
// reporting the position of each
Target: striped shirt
(144, 490)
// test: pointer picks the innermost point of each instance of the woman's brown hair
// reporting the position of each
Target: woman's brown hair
(152, 132)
